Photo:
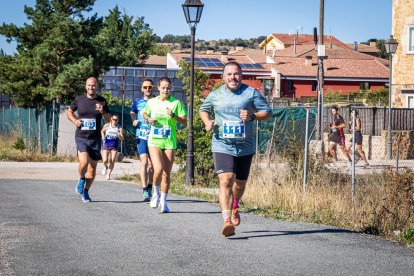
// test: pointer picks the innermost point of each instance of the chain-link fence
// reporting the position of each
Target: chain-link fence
(367, 147)
(49, 131)
(37, 127)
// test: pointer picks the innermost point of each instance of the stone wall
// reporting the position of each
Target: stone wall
(403, 62)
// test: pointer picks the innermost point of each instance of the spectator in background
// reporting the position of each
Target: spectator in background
(337, 136)
(358, 137)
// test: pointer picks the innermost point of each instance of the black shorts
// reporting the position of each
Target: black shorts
(91, 146)
(239, 165)
(358, 138)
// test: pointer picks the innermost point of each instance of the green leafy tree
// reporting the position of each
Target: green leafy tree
(111, 100)
(123, 40)
(54, 55)
(381, 48)
(159, 50)
(59, 48)
(204, 167)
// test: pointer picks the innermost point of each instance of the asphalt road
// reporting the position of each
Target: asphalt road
(45, 229)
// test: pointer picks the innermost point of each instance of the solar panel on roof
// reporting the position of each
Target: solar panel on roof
(206, 62)
(256, 65)
(251, 65)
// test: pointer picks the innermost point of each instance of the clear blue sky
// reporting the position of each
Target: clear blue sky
(348, 20)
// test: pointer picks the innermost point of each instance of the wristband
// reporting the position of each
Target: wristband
(173, 115)
(253, 117)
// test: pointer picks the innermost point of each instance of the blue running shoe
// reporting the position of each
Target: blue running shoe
(85, 197)
(164, 208)
(80, 186)
(146, 195)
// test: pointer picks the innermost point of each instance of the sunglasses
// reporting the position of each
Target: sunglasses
(115, 119)
(147, 87)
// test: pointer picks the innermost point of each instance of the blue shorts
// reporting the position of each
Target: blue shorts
(91, 146)
(142, 146)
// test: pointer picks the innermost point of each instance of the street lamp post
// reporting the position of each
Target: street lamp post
(390, 47)
(192, 11)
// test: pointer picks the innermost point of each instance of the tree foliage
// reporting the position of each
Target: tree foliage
(60, 47)
(204, 167)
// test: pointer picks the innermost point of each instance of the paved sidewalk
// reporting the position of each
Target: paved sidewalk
(62, 170)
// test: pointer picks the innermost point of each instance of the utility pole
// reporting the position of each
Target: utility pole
(320, 76)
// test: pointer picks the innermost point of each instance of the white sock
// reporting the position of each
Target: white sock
(156, 190)
(163, 198)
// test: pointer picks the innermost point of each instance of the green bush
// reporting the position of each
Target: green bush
(111, 100)
(19, 144)
(408, 236)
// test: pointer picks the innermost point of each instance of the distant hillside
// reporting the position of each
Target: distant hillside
(182, 42)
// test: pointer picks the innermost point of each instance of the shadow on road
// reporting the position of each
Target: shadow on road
(284, 233)
(179, 212)
(187, 201)
(117, 201)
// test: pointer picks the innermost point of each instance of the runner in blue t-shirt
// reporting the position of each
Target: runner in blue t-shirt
(142, 133)
(235, 106)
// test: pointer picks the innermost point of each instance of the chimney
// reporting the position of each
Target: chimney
(373, 44)
(224, 56)
(355, 45)
(308, 60)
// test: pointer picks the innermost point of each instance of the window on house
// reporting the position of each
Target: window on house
(290, 85)
(314, 85)
(411, 39)
(410, 101)
(364, 86)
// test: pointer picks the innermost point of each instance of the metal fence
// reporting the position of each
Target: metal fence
(37, 127)
(48, 131)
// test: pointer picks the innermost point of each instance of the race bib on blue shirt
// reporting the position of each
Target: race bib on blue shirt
(234, 130)
(142, 133)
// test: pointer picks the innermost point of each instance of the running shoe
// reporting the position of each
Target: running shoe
(104, 171)
(85, 197)
(108, 177)
(80, 186)
(146, 195)
(164, 208)
(235, 217)
(228, 229)
(155, 201)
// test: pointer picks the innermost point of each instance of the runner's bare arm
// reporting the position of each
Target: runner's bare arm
(72, 118)
(205, 117)
(121, 134)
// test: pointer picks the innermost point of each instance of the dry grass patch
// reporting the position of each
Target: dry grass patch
(383, 203)
(13, 148)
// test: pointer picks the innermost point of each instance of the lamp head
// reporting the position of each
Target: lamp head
(391, 45)
(192, 11)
